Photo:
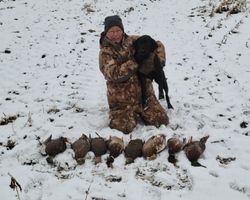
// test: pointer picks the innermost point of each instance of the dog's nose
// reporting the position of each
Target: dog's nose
(142, 51)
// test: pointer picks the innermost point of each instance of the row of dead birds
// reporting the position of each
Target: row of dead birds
(134, 149)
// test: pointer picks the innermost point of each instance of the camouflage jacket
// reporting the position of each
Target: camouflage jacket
(119, 68)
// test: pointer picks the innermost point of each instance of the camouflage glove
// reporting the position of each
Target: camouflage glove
(132, 67)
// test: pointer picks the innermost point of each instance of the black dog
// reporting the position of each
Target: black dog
(144, 48)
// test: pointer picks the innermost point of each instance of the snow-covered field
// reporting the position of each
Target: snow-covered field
(50, 83)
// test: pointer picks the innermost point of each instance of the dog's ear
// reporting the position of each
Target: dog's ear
(135, 44)
(154, 44)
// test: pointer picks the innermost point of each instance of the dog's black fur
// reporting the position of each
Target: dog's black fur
(144, 47)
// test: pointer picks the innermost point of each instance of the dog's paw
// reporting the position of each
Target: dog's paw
(170, 106)
(161, 96)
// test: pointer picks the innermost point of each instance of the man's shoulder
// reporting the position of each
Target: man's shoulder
(131, 37)
(105, 50)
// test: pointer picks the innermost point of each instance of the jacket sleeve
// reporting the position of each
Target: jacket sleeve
(114, 71)
(160, 51)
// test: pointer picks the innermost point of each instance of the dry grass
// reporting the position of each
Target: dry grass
(15, 186)
(228, 6)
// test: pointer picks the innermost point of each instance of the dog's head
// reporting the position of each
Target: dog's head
(144, 45)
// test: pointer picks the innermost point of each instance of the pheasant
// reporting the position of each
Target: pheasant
(54, 147)
(194, 149)
(153, 146)
(133, 150)
(115, 146)
(81, 148)
(98, 147)
(174, 146)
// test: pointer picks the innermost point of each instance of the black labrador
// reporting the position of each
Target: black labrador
(144, 48)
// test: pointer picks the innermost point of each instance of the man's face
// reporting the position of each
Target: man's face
(115, 34)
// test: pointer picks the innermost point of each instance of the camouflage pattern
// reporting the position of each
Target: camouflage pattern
(117, 64)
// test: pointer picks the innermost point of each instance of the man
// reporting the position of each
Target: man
(119, 68)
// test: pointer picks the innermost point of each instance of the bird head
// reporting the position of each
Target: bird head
(204, 139)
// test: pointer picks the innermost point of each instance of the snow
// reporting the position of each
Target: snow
(51, 81)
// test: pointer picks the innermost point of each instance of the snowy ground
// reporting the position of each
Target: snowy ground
(50, 81)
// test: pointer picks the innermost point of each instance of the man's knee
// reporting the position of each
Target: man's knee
(125, 128)
(124, 121)
(155, 116)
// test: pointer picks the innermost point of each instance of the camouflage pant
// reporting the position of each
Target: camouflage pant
(124, 119)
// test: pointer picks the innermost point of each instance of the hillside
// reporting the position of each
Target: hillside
(50, 83)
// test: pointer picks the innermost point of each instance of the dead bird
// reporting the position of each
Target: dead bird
(194, 149)
(153, 146)
(81, 147)
(115, 146)
(133, 150)
(54, 147)
(174, 146)
(98, 147)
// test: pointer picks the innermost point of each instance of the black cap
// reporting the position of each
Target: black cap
(111, 21)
